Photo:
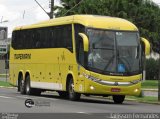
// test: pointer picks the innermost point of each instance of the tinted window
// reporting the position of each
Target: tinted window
(50, 37)
(79, 43)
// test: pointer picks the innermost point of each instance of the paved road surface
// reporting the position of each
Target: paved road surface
(13, 102)
(146, 93)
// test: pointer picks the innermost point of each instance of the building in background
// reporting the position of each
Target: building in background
(3, 41)
(4, 49)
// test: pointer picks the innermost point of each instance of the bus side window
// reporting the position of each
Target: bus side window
(67, 37)
(37, 40)
(52, 38)
(79, 43)
(14, 39)
(81, 53)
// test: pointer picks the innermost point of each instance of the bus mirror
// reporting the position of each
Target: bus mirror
(85, 42)
(146, 46)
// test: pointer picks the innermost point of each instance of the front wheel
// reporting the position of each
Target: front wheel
(72, 94)
(118, 99)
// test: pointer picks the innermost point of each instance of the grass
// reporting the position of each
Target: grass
(5, 84)
(146, 99)
(2, 75)
(153, 84)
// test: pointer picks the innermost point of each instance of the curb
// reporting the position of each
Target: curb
(8, 87)
(3, 74)
(134, 100)
(152, 90)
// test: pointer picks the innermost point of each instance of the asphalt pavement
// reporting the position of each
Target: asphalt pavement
(13, 102)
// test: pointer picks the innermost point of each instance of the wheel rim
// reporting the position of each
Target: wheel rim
(27, 88)
(71, 89)
(21, 85)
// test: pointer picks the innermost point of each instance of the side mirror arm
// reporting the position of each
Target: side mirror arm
(146, 45)
(85, 42)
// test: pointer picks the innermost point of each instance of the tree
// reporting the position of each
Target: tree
(151, 69)
(143, 13)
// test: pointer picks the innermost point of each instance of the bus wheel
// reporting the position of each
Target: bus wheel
(28, 86)
(118, 99)
(22, 85)
(29, 90)
(63, 94)
(72, 94)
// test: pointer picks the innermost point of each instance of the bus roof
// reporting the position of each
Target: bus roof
(94, 21)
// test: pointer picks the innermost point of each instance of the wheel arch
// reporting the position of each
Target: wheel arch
(27, 73)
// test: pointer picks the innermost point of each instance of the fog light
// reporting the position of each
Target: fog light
(92, 88)
(136, 90)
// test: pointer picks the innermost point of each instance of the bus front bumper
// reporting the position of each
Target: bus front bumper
(116, 88)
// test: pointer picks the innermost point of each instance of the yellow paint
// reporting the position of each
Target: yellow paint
(53, 65)
(147, 46)
(85, 42)
(104, 22)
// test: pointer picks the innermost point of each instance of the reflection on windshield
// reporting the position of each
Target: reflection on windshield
(102, 50)
(114, 52)
(128, 51)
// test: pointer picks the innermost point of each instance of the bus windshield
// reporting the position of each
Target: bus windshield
(114, 52)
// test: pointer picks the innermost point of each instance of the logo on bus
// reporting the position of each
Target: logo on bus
(22, 56)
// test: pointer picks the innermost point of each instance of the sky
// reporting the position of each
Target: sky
(24, 12)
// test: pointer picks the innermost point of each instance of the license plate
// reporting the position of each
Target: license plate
(115, 89)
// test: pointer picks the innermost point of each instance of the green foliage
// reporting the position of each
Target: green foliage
(145, 99)
(150, 84)
(152, 69)
(5, 84)
(143, 13)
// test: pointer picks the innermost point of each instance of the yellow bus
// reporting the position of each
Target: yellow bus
(79, 54)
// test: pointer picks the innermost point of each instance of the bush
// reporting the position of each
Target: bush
(152, 67)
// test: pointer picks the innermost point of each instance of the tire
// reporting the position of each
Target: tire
(63, 94)
(18, 87)
(22, 85)
(72, 94)
(29, 90)
(28, 86)
(118, 99)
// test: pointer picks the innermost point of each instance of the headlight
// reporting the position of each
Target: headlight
(111, 83)
(135, 81)
(91, 78)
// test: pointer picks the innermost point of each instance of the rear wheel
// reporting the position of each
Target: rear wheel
(22, 85)
(28, 87)
(29, 90)
(118, 99)
(72, 94)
